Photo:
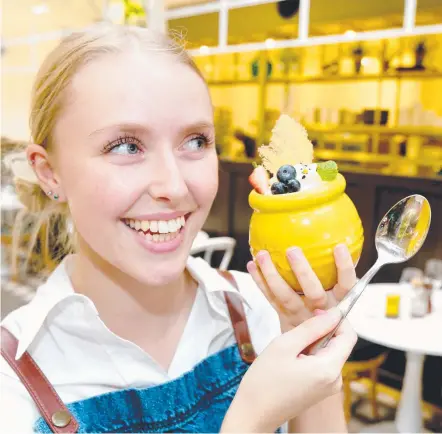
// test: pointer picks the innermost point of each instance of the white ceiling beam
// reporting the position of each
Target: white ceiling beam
(235, 4)
(214, 6)
(409, 14)
(156, 15)
(304, 19)
(223, 27)
(321, 40)
(190, 11)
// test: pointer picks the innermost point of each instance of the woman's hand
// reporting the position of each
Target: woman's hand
(283, 382)
(291, 307)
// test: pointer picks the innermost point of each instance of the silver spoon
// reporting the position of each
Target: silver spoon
(399, 236)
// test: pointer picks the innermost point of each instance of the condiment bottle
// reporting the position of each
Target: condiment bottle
(428, 286)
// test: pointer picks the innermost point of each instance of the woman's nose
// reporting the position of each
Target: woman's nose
(167, 181)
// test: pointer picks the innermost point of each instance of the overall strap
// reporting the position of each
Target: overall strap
(49, 404)
(239, 321)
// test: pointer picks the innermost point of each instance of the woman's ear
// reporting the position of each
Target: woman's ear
(39, 159)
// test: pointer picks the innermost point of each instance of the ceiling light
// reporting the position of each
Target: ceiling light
(270, 43)
(40, 9)
(204, 49)
(350, 33)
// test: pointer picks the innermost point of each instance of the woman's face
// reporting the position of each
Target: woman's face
(135, 154)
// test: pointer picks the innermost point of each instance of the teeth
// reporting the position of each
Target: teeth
(154, 226)
(163, 227)
(159, 230)
(171, 226)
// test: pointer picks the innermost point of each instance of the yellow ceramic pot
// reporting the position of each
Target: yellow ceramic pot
(315, 221)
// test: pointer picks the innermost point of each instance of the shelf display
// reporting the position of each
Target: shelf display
(377, 100)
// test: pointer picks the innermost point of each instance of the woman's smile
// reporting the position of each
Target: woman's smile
(161, 233)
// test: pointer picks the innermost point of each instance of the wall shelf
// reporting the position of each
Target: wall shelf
(332, 79)
(376, 129)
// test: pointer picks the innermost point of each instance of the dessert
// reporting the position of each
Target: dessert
(298, 202)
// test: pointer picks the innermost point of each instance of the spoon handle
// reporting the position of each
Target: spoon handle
(347, 303)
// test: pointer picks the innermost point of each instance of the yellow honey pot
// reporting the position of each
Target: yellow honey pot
(314, 220)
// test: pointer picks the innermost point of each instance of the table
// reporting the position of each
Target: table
(418, 337)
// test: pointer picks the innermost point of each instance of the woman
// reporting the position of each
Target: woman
(132, 333)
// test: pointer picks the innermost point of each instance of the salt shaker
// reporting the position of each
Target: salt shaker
(419, 300)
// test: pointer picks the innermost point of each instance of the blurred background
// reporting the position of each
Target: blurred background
(364, 77)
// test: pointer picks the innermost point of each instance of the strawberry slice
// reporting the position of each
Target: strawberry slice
(259, 179)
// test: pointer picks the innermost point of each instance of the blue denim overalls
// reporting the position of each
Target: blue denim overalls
(195, 402)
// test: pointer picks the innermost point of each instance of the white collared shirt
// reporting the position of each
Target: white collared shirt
(82, 358)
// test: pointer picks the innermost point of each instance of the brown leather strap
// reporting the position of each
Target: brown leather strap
(239, 321)
(51, 407)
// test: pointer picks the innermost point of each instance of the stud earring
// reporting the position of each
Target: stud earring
(49, 193)
(56, 196)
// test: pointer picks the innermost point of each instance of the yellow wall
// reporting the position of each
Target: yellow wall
(18, 73)
(20, 62)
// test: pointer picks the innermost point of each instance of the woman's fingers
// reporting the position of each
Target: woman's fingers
(284, 295)
(312, 330)
(346, 271)
(315, 295)
(285, 299)
(341, 345)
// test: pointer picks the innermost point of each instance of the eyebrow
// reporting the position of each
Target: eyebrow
(129, 126)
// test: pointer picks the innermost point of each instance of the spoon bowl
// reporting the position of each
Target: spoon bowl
(399, 236)
(403, 229)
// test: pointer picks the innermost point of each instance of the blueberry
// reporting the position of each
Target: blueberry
(285, 173)
(278, 188)
(293, 185)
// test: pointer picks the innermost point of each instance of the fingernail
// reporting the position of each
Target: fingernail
(341, 250)
(295, 253)
(261, 255)
(319, 312)
(251, 266)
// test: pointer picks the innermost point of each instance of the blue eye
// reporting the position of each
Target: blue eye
(125, 148)
(197, 143)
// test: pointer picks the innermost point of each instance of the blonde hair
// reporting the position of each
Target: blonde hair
(48, 98)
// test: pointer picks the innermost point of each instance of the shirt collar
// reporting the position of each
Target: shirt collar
(58, 287)
(211, 282)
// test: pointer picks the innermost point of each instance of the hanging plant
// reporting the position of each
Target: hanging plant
(134, 12)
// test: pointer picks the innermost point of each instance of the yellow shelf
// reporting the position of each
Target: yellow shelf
(376, 129)
(333, 79)
(361, 158)
(238, 82)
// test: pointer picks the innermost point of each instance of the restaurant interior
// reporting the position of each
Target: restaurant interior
(365, 80)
